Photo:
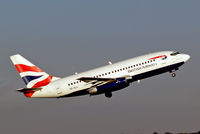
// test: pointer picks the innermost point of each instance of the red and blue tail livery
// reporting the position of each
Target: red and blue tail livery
(32, 76)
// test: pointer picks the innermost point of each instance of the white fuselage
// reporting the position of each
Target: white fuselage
(138, 68)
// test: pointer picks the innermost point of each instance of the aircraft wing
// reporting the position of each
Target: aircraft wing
(96, 81)
(91, 80)
(101, 81)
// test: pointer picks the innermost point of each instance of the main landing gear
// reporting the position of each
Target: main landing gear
(173, 74)
(108, 94)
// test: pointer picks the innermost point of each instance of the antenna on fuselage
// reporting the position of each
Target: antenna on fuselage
(109, 62)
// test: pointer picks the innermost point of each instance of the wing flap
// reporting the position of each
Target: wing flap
(95, 80)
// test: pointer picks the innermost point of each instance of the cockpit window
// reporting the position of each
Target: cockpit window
(174, 53)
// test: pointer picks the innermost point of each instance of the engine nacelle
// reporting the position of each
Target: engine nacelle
(113, 86)
(93, 90)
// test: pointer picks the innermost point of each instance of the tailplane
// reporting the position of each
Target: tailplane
(28, 92)
(32, 76)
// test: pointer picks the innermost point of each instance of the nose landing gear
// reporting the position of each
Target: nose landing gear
(173, 74)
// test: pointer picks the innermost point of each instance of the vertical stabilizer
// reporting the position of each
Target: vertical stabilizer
(32, 76)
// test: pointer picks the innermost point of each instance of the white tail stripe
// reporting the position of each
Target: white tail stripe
(32, 83)
(18, 59)
(32, 74)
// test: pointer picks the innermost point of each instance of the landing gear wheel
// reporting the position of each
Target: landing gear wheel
(173, 74)
(108, 95)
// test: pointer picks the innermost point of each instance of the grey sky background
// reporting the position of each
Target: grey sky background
(63, 37)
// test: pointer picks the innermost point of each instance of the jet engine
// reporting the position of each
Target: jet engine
(109, 87)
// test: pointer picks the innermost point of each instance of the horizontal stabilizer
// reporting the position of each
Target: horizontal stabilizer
(28, 89)
(28, 92)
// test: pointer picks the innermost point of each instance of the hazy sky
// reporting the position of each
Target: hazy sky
(67, 36)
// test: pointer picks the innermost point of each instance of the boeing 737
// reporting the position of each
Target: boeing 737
(103, 80)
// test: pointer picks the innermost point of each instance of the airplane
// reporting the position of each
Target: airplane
(103, 80)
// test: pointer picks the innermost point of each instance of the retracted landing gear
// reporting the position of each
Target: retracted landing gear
(108, 94)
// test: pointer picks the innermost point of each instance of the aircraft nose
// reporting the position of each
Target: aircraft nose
(186, 57)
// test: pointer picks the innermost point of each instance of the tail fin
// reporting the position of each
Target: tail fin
(32, 76)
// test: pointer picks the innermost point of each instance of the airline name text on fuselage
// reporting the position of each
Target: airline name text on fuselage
(142, 67)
